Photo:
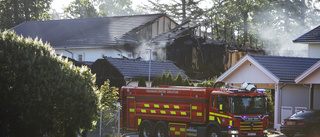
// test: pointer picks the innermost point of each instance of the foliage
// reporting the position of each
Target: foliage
(180, 10)
(81, 9)
(209, 83)
(168, 80)
(178, 81)
(108, 96)
(14, 12)
(142, 82)
(270, 107)
(114, 7)
(87, 8)
(42, 94)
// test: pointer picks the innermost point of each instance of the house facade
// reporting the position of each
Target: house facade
(292, 80)
(90, 39)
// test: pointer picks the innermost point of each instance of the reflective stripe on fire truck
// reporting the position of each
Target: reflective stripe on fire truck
(199, 113)
(177, 129)
(194, 107)
(176, 107)
(230, 123)
(146, 105)
(131, 109)
(139, 121)
(220, 115)
(211, 118)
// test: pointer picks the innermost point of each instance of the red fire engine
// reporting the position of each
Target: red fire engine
(193, 111)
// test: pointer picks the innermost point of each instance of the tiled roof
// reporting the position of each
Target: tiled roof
(134, 68)
(285, 68)
(85, 32)
(311, 36)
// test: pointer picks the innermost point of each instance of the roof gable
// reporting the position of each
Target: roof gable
(309, 37)
(134, 68)
(88, 31)
(306, 76)
(243, 71)
(277, 68)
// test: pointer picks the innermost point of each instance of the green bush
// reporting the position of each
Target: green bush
(40, 94)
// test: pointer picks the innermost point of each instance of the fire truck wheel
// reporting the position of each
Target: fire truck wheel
(161, 130)
(146, 129)
(213, 132)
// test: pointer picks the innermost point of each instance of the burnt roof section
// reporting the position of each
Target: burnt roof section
(311, 36)
(130, 68)
(287, 69)
(106, 31)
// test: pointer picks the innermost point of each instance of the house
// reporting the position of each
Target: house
(89, 39)
(312, 38)
(123, 71)
(295, 81)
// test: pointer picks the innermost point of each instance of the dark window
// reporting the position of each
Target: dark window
(80, 58)
(213, 100)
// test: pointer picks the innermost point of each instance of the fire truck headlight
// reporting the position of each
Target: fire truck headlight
(265, 131)
(233, 132)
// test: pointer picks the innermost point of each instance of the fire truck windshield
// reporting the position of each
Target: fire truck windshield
(248, 105)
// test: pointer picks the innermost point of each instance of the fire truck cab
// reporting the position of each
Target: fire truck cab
(192, 111)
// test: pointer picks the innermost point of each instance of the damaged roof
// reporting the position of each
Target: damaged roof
(130, 68)
(311, 36)
(105, 31)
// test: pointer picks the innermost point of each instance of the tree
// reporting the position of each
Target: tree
(81, 9)
(42, 94)
(180, 11)
(169, 79)
(142, 82)
(108, 96)
(14, 12)
(178, 81)
(114, 7)
(163, 80)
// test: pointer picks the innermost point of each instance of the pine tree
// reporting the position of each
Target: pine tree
(142, 82)
(178, 81)
(169, 79)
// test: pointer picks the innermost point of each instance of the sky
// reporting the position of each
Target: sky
(58, 5)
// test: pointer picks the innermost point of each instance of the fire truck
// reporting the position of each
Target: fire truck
(194, 111)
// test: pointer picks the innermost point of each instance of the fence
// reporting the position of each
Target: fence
(108, 125)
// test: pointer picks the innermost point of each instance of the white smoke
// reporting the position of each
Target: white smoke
(281, 33)
(158, 50)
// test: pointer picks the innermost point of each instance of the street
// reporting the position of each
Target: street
(273, 135)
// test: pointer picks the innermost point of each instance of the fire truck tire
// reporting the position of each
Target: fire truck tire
(214, 132)
(161, 129)
(289, 135)
(146, 129)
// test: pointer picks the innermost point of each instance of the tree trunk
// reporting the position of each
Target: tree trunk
(15, 12)
(183, 10)
(245, 27)
(26, 10)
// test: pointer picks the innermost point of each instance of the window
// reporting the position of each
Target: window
(80, 58)
(213, 100)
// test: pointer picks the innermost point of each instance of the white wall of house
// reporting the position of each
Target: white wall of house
(248, 72)
(92, 54)
(314, 50)
(135, 83)
(316, 96)
(314, 77)
(295, 95)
